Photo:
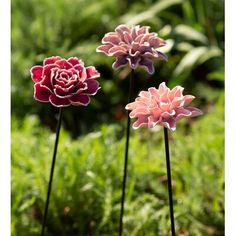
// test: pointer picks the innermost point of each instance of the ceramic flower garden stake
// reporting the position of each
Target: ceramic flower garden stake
(163, 107)
(135, 47)
(62, 82)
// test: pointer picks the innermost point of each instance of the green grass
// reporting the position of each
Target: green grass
(86, 190)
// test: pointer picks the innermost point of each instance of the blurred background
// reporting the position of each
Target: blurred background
(87, 182)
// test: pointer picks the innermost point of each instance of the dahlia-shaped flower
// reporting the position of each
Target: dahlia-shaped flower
(134, 46)
(161, 106)
(64, 82)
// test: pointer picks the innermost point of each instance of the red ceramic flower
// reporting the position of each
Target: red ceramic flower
(161, 106)
(64, 82)
(134, 46)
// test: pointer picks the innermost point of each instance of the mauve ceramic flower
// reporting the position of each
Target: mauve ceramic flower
(161, 106)
(64, 82)
(134, 46)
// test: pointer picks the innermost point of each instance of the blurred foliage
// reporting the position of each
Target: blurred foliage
(87, 182)
(86, 190)
(194, 30)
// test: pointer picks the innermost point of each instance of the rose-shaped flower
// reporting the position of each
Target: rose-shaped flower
(161, 106)
(135, 46)
(64, 82)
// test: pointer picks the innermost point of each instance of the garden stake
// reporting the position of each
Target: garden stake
(131, 87)
(169, 182)
(163, 107)
(51, 173)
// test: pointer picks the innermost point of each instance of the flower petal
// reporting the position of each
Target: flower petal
(127, 38)
(144, 30)
(41, 92)
(147, 65)
(133, 62)
(162, 56)
(120, 61)
(111, 39)
(156, 42)
(92, 72)
(140, 122)
(187, 99)
(79, 99)
(153, 121)
(120, 29)
(104, 49)
(175, 92)
(155, 94)
(51, 60)
(162, 88)
(47, 71)
(62, 92)
(64, 64)
(169, 123)
(117, 51)
(59, 102)
(139, 111)
(36, 73)
(145, 94)
(182, 112)
(92, 87)
(195, 111)
(75, 61)
(134, 30)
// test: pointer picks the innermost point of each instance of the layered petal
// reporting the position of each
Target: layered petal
(161, 106)
(75, 61)
(36, 73)
(51, 60)
(120, 61)
(80, 99)
(92, 72)
(59, 102)
(64, 82)
(92, 87)
(147, 65)
(140, 122)
(41, 92)
(104, 49)
(134, 46)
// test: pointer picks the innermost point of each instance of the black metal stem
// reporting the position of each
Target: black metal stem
(169, 182)
(131, 88)
(51, 172)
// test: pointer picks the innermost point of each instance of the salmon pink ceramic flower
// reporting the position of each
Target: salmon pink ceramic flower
(64, 82)
(161, 106)
(134, 46)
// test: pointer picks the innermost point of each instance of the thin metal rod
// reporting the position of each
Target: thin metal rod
(51, 172)
(131, 88)
(169, 182)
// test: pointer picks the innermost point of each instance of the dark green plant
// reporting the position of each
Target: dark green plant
(194, 31)
(86, 191)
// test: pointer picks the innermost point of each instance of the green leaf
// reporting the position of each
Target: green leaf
(195, 57)
(188, 12)
(190, 33)
(217, 75)
(212, 52)
(189, 60)
(151, 12)
(184, 46)
(28, 203)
